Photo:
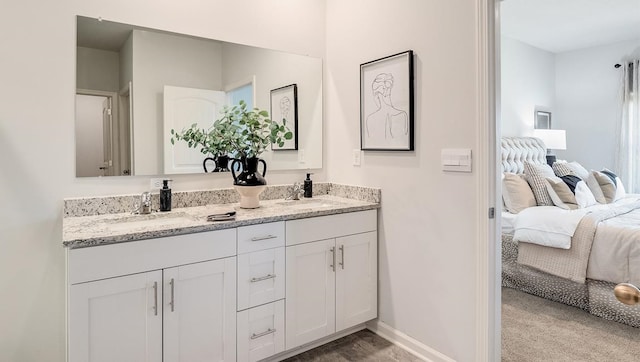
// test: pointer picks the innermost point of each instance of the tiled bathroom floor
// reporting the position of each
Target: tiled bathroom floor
(360, 346)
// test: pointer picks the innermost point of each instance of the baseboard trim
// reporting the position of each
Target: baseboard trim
(407, 343)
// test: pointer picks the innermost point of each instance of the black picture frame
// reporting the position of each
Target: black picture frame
(387, 104)
(284, 106)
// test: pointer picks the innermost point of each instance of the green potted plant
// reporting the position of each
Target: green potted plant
(211, 143)
(245, 134)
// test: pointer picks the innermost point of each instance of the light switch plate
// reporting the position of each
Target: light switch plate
(456, 159)
(357, 157)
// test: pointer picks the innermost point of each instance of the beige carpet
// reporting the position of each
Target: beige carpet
(535, 329)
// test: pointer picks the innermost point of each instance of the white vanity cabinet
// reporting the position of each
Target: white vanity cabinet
(167, 299)
(261, 291)
(331, 275)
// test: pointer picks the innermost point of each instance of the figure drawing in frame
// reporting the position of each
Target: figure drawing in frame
(284, 110)
(386, 109)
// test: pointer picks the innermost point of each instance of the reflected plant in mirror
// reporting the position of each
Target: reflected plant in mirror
(135, 84)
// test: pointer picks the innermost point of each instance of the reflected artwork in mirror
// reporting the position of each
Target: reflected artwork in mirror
(135, 84)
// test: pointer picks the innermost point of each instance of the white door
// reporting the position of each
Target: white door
(117, 319)
(182, 108)
(356, 280)
(310, 302)
(200, 312)
(89, 136)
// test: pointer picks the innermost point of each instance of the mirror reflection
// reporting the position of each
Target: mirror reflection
(136, 84)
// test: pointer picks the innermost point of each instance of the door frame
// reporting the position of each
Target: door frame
(488, 251)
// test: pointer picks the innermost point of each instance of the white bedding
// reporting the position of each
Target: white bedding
(508, 222)
(601, 242)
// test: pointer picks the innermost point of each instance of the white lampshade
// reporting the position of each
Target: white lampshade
(554, 139)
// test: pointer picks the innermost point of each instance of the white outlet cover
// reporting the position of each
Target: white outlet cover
(357, 157)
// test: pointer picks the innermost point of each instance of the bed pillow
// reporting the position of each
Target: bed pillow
(590, 179)
(516, 193)
(610, 184)
(536, 174)
(570, 192)
(562, 169)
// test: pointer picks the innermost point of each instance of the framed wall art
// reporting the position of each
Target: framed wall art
(284, 110)
(386, 103)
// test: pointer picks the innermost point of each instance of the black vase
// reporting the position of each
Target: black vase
(221, 162)
(249, 175)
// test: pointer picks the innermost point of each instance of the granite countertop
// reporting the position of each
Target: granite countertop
(93, 230)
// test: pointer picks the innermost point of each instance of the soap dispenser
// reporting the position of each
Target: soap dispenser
(165, 196)
(308, 186)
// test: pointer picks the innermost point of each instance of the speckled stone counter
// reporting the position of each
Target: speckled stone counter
(88, 222)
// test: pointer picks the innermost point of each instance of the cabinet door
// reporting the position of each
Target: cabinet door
(200, 312)
(117, 319)
(310, 302)
(356, 280)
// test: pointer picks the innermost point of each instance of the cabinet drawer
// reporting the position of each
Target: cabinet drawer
(260, 237)
(260, 332)
(331, 226)
(107, 261)
(261, 277)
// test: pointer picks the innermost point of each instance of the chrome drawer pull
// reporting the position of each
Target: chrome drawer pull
(268, 276)
(268, 331)
(173, 300)
(333, 258)
(266, 237)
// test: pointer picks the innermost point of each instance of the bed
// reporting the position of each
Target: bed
(571, 249)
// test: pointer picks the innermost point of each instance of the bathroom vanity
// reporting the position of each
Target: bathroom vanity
(275, 281)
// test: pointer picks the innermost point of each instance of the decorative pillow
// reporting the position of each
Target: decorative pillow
(610, 184)
(590, 179)
(570, 192)
(578, 170)
(516, 193)
(562, 169)
(560, 193)
(536, 174)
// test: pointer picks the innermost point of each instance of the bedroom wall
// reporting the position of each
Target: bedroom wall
(528, 84)
(427, 224)
(37, 143)
(587, 102)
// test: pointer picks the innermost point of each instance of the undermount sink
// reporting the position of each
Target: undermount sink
(305, 204)
(146, 220)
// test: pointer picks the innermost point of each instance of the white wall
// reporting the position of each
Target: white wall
(528, 84)
(165, 59)
(588, 102)
(37, 157)
(428, 226)
(97, 69)
(273, 70)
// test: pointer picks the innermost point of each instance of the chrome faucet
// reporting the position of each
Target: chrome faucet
(144, 207)
(296, 192)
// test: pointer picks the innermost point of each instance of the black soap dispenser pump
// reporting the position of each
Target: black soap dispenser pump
(308, 186)
(165, 196)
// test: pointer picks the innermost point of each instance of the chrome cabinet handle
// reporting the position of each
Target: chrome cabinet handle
(342, 256)
(268, 331)
(268, 276)
(333, 258)
(173, 300)
(155, 298)
(266, 237)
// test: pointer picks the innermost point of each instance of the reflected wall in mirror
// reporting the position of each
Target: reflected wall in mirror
(124, 113)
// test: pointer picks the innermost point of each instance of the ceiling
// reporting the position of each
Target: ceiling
(564, 25)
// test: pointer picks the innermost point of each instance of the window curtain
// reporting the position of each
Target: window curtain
(628, 160)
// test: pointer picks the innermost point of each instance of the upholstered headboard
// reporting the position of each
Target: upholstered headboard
(516, 150)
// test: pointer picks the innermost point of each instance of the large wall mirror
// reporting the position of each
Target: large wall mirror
(134, 84)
